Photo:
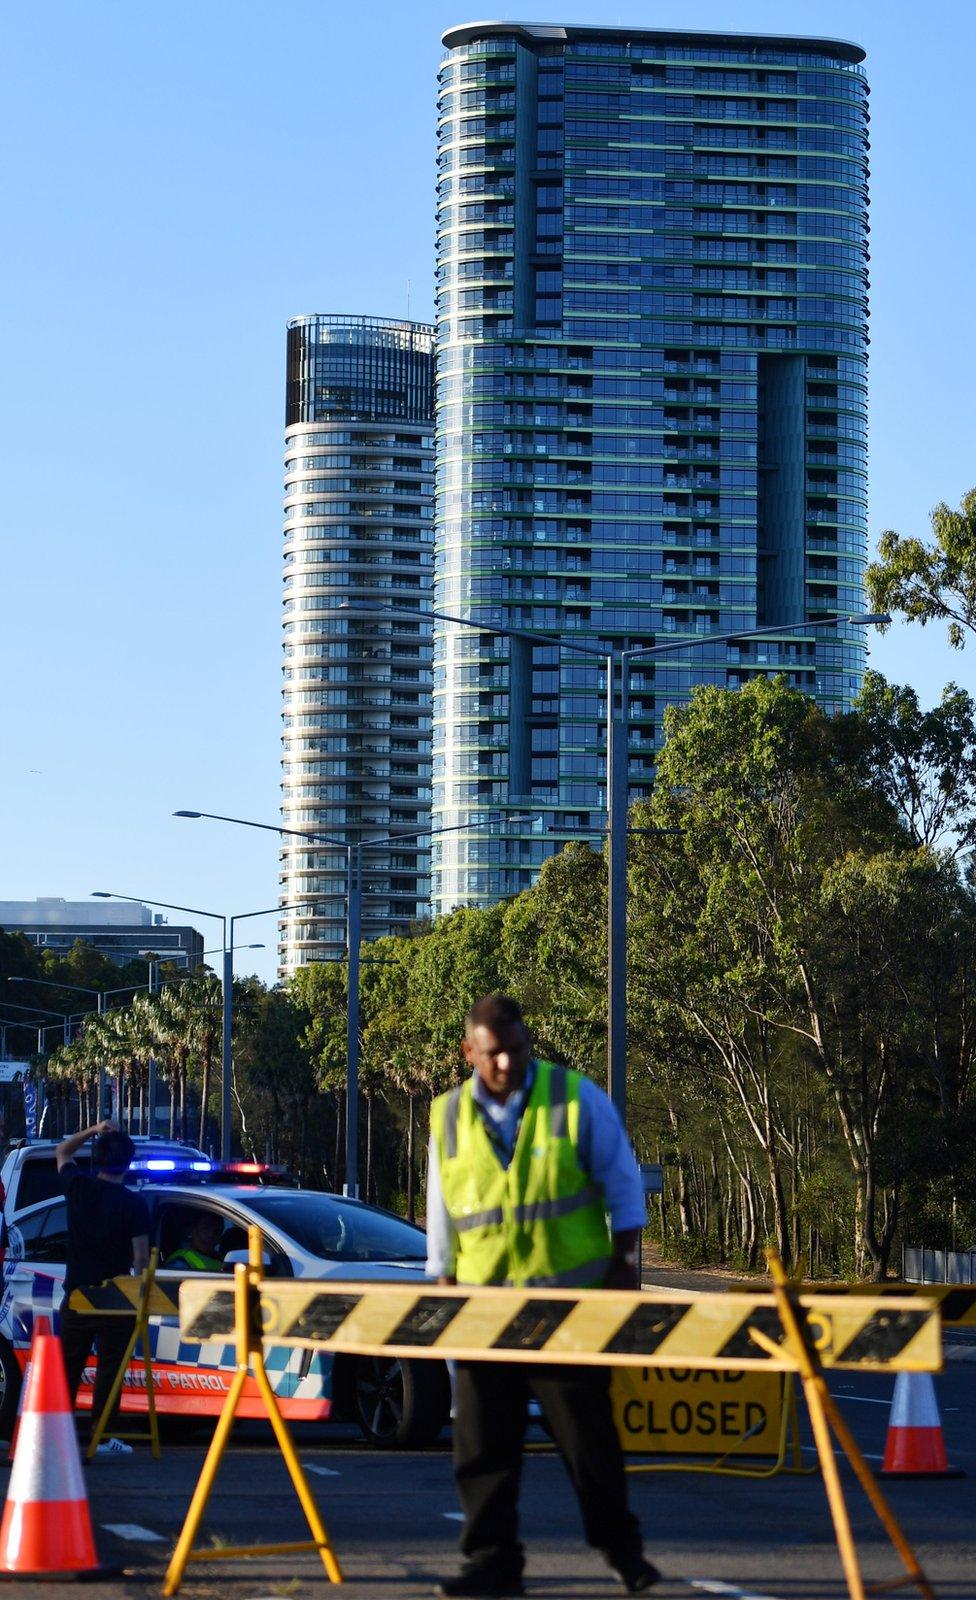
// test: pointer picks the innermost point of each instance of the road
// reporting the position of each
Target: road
(393, 1522)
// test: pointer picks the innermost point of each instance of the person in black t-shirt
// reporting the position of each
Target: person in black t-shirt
(108, 1236)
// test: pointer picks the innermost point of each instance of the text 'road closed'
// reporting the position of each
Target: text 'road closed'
(673, 1411)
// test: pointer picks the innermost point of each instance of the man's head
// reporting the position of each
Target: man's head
(497, 1044)
(203, 1232)
(112, 1153)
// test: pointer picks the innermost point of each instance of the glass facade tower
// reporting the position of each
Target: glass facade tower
(652, 348)
(357, 713)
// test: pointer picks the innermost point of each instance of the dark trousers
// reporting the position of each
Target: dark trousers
(491, 1412)
(110, 1336)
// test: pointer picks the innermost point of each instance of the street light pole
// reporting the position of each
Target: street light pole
(618, 736)
(618, 786)
(226, 992)
(354, 903)
(354, 933)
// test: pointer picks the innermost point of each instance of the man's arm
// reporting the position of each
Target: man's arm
(68, 1148)
(441, 1236)
(605, 1153)
(140, 1252)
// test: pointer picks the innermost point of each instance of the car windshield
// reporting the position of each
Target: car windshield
(340, 1230)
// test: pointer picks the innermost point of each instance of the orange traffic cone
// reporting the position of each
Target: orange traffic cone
(46, 1530)
(41, 1325)
(915, 1447)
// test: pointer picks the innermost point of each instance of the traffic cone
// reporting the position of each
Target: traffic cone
(46, 1530)
(915, 1447)
(41, 1325)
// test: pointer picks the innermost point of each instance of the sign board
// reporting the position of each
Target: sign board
(13, 1071)
(687, 1411)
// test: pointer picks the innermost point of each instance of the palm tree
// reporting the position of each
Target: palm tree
(200, 1004)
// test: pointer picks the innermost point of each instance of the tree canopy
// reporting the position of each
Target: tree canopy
(934, 582)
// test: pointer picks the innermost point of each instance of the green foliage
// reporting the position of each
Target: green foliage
(931, 582)
(790, 983)
(801, 1000)
(922, 764)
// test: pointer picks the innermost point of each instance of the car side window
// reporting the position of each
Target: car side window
(42, 1236)
(171, 1222)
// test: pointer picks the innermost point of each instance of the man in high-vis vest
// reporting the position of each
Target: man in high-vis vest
(198, 1252)
(532, 1181)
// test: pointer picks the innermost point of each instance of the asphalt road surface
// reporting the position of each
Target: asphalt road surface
(394, 1523)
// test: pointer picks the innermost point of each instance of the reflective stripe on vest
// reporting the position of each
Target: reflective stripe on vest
(195, 1260)
(540, 1221)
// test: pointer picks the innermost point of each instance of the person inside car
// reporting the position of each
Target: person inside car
(201, 1237)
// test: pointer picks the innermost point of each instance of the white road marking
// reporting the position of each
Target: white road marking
(323, 1472)
(453, 1516)
(867, 1400)
(714, 1586)
(132, 1530)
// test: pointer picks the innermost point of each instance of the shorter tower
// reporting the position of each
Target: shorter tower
(356, 720)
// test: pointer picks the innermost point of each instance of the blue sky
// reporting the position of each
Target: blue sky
(180, 180)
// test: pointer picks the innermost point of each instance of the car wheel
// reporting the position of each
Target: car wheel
(10, 1381)
(400, 1405)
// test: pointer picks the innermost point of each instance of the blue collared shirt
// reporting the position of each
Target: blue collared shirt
(604, 1154)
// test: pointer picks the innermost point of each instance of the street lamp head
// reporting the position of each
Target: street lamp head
(101, 894)
(870, 619)
(187, 813)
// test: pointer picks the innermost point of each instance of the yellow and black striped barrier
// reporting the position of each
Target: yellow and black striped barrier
(123, 1297)
(782, 1331)
(594, 1327)
(956, 1302)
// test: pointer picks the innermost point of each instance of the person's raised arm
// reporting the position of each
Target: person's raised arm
(69, 1147)
(140, 1253)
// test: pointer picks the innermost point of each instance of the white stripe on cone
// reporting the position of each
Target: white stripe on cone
(24, 1385)
(47, 1465)
(914, 1404)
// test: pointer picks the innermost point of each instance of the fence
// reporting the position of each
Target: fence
(937, 1266)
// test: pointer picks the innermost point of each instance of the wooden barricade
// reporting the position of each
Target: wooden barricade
(781, 1332)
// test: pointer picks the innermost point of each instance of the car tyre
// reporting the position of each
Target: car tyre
(400, 1405)
(10, 1381)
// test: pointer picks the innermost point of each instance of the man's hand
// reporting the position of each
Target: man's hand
(621, 1275)
(624, 1271)
(66, 1150)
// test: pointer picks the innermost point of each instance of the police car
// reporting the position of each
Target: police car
(306, 1234)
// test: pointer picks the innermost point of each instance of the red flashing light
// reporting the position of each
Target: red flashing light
(252, 1167)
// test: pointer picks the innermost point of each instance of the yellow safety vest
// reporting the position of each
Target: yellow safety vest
(540, 1220)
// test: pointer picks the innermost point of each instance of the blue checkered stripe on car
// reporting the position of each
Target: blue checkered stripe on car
(17, 1314)
(283, 1363)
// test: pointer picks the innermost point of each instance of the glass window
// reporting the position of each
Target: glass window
(43, 1236)
(341, 1230)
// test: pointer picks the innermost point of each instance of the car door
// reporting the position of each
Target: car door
(37, 1244)
(192, 1376)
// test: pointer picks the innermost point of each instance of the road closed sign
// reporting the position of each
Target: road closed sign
(682, 1411)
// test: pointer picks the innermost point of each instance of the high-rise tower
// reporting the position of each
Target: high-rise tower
(357, 713)
(651, 344)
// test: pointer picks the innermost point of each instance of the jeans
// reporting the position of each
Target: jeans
(110, 1335)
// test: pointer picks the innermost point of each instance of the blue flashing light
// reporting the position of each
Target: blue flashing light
(201, 1166)
(158, 1165)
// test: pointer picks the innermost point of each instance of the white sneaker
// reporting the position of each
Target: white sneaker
(114, 1447)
